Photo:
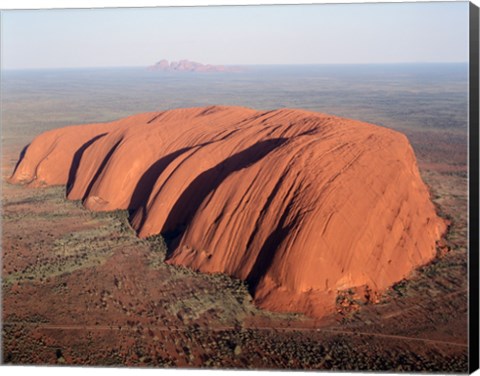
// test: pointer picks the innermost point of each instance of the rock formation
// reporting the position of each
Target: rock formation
(299, 204)
(189, 66)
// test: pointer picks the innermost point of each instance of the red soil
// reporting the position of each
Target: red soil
(299, 204)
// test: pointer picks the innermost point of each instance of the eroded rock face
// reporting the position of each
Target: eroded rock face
(299, 204)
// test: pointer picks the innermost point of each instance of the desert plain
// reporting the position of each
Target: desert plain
(80, 287)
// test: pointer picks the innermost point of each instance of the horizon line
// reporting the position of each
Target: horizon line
(238, 65)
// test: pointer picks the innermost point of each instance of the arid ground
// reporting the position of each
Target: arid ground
(80, 288)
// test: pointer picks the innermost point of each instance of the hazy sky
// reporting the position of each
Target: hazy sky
(351, 33)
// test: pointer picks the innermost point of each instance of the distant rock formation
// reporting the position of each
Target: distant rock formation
(299, 204)
(189, 66)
